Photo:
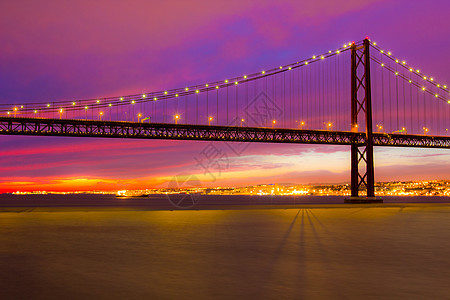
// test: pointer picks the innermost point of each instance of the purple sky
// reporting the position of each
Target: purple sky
(59, 50)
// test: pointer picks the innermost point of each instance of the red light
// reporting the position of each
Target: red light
(367, 37)
(353, 42)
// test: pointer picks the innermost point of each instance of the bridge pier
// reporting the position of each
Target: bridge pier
(361, 103)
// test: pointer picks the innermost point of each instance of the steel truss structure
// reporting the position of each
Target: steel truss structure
(118, 129)
(361, 104)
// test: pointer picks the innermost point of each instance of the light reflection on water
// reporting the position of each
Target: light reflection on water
(355, 253)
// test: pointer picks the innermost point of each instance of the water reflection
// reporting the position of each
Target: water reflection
(353, 253)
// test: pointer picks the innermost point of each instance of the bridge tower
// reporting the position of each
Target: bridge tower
(362, 168)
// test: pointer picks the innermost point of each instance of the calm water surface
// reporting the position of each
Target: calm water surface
(349, 252)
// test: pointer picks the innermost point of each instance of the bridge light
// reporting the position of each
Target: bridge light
(73, 103)
(322, 57)
(445, 86)
(314, 57)
(165, 93)
(226, 80)
(338, 51)
(263, 72)
(60, 111)
(8, 112)
(206, 85)
(154, 99)
(374, 43)
(236, 82)
(35, 111)
(245, 76)
(306, 62)
(101, 113)
(425, 77)
(436, 95)
(410, 81)
(21, 106)
(329, 51)
(15, 108)
(438, 85)
(302, 123)
(411, 69)
(404, 62)
(382, 65)
(197, 91)
(86, 107)
(281, 67)
(121, 98)
(423, 88)
(98, 101)
(290, 68)
(396, 60)
(396, 73)
(186, 89)
(133, 102)
(431, 79)
(382, 51)
(448, 101)
(48, 105)
(110, 105)
(217, 86)
(176, 95)
(418, 71)
(389, 53)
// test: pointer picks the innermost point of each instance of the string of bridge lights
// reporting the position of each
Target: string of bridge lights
(109, 102)
(416, 72)
(415, 83)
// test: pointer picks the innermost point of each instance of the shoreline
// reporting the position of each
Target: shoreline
(31, 209)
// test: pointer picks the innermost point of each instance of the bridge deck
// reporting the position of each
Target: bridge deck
(120, 129)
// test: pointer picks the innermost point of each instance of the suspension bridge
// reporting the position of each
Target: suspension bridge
(358, 95)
